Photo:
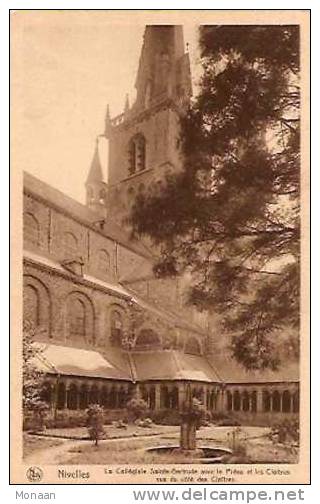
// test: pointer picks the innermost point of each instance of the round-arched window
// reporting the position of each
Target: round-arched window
(147, 338)
(116, 324)
(192, 346)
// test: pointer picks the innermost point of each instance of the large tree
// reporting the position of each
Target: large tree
(231, 217)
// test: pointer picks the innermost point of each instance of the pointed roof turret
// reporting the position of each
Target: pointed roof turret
(107, 123)
(95, 172)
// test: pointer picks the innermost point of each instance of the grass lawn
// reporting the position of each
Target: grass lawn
(252, 446)
(33, 443)
(111, 431)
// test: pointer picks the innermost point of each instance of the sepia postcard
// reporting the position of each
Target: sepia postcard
(160, 247)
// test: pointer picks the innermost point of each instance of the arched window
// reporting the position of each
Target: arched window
(31, 230)
(103, 261)
(147, 338)
(76, 318)
(36, 303)
(116, 323)
(70, 245)
(192, 346)
(137, 154)
(31, 302)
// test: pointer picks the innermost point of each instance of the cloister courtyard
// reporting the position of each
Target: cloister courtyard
(130, 445)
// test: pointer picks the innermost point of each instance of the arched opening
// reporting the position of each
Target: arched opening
(104, 397)
(245, 401)
(72, 397)
(212, 400)
(229, 401)
(147, 338)
(152, 398)
(83, 399)
(266, 399)
(61, 396)
(276, 401)
(113, 398)
(116, 326)
(164, 397)
(192, 346)
(236, 401)
(94, 395)
(286, 401)
(122, 397)
(296, 402)
(254, 401)
(31, 230)
(47, 393)
(174, 398)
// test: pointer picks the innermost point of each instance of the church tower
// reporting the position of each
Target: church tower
(143, 140)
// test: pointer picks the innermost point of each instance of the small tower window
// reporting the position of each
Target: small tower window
(137, 154)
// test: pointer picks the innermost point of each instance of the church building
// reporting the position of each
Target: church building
(107, 328)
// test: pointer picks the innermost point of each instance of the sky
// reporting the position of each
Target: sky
(67, 66)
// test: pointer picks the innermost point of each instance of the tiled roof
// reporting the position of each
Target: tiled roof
(172, 365)
(153, 365)
(233, 372)
(72, 361)
(81, 213)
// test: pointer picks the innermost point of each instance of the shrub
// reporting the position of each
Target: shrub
(137, 408)
(95, 422)
(145, 423)
(286, 431)
(166, 417)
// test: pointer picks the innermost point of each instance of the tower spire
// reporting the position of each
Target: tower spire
(107, 123)
(95, 172)
(95, 184)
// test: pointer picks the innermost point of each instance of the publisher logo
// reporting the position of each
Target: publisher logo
(34, 474)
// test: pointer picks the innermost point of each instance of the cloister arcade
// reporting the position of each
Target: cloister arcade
(78, 393)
